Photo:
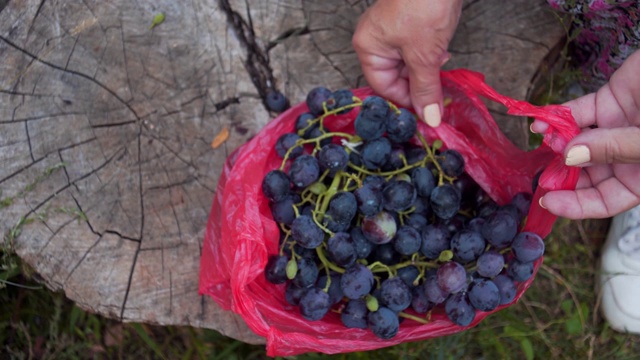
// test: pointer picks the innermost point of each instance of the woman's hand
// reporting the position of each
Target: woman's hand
(401, 45)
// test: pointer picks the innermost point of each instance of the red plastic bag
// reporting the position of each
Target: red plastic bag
(241, 233)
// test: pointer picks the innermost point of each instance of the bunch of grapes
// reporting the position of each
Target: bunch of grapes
(381, 226)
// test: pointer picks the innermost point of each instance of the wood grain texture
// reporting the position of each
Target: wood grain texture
(106, 125)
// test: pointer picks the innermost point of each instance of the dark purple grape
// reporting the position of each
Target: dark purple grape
(335, 292)
(419, 301)
(282, 211)
(408, 274)
(341, 250)
(459, 309)
(506, 287)
(362, 245)
(287, 141)
(451, 277)
(467, 187)
(375, 153)
(380, 228)
(407, 240)
(333, 157)
(306, 232)
(304, 252)
(317, 132)
(383, 323)
(355, 159)
(467, 245)
(511, 210)
(499, 229)
(396, 159)
(304, 171)
(276, 101)
(487, 209)
(315, 98)
(398, 195)
(369, 199)
(304, 125)
(423, 181)
(527, 247)
(432, 290)
(340, 98)
(484, 295)
(451, 162)
(519, 271)
(415, 154)
(435, 239)
(395, 294)
(276, 269)
(457, 223)
(401, 126)
(416, 221)
(522, 201)
(371, 122)
(292, 294)
(386, 254)
(422, 206)
(445, 201)
(354, 314)
(276, 185)
(314, 304)
(343, 206)
(490, 263)
(475, 224)
(356, 281)
(307, 274)
(375, 181)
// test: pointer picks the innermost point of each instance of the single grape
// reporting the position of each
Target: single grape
(396, 159)
(282, 211)
(499, 229)
(354, 314)
(386, 254)
(423, 181)
(375, 181)
(487, 209)
(306, 232)
(511, 210)
(451, 162)
(332, 157)
(457, 223)
(304, 171)
(315, 98)
(276, 185)
(522, 201)
(304, 252)
(416, 221)
(467, 187)
(307, 274)
(422, 206)
(383, 323)
(475, 224)
(343, 206)
(304, 125)
(401, 126)
(415, 154)
(435, 239)
(419, 301)
(398, 195)
(293, 293)
(432, 291)
(459, 309)
(519, 271)
(380, 228)
(395, 294)
(356, 281)
(527, 246)
(314, 304)
(362, 245)
(275, 270)
(490, 263)
(335, 292)
(506, 287)
(467, 245)
(445, 201)
(484, 295)
(340, 98)
(287, 141)
(369, 199)
(276, 101)
(341, 249)
(451, 277)
(409, 274)
(371, 122)
(407, 240)
(319, 131)
(376, 153)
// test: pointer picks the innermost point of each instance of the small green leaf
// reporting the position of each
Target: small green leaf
(527, 348)
(292, 269)
(573, 325)
(157, 20)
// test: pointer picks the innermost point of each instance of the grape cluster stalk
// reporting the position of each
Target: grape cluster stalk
(380, 226)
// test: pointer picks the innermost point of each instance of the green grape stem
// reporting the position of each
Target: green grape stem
(326, 262)
(413, 317)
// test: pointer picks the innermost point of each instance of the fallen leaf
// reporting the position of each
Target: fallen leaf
(157, 20)
(220, 138)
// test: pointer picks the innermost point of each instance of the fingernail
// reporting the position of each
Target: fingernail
(446, 57)
(540, 202)
(432, 115)
(531, 129)
(578, 155)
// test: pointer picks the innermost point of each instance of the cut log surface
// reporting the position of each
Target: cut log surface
(106, 124)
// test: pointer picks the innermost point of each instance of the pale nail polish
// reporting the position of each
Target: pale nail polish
(531, 129)
(578, 155)
(540, 202)
(432, 115)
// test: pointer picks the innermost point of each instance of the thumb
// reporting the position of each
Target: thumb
(426, 88)
(604, 146)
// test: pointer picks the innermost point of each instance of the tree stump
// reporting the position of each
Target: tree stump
(106, 123)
